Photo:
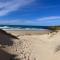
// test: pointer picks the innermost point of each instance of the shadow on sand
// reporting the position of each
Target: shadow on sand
(6, 40)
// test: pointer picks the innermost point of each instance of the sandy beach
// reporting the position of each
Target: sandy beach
(35, 45)
(29, 29)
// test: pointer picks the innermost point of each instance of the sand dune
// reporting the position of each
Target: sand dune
(6, 40)
(34, 45)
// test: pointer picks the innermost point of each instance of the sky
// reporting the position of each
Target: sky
(30, 12)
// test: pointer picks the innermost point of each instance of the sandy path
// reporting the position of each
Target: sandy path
(37, 47)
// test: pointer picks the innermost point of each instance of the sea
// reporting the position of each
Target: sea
(22, 27)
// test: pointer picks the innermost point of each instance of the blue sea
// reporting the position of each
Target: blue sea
(22, 27)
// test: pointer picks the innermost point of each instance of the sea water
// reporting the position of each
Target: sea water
(22, 27)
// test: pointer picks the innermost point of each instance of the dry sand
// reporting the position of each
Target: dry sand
(35, 45)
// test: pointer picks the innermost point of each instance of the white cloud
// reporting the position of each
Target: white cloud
(52, 20)
(48, 18)
(17, 22)
(7, 6)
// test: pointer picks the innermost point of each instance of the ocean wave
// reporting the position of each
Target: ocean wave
(4, 27)
(8, 27)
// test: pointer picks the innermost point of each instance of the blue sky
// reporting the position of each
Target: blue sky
(30, 12)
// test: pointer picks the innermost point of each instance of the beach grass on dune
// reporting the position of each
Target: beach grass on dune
(54, 28)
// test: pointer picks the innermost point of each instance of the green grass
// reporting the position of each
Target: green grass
(54, 28)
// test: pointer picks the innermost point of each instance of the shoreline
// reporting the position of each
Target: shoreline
(28, 32)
